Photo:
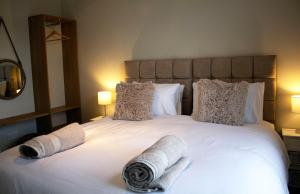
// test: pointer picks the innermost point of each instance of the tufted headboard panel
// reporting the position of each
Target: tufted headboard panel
(229, 69)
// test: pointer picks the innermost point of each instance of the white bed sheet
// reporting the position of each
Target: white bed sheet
(226, 159)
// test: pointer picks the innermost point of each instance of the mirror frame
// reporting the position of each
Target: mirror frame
(23, 80)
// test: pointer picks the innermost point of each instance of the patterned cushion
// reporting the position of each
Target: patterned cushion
(134, 101)
(220, 102)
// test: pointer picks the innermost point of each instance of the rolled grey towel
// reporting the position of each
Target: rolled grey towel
(46, 145)
(157, 168)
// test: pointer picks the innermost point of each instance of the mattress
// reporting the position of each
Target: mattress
(226, 159)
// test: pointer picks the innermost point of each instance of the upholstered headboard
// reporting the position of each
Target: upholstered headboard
(229, 69)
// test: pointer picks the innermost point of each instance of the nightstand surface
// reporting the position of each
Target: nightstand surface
(290, 132)
(97, 118)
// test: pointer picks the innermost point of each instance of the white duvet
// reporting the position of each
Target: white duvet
(226, 160)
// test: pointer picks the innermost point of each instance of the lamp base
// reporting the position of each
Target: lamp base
(104, 110)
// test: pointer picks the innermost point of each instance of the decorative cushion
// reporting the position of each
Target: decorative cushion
(254, 103)
(134, 101)
(220, 102)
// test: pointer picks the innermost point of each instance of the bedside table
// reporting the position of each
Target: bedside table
(291, 138)
(97, 118)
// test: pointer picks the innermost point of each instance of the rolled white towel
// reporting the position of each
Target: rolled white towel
(157, 168)
(46, 145)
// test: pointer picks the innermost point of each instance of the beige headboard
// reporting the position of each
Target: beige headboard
(229, 69)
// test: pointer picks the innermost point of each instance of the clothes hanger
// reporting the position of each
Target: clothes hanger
(57, 35)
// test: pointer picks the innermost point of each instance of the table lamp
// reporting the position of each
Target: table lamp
(104, 99)
(295, 100)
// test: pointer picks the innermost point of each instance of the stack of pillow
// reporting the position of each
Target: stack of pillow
(214, 101)
(141, 101)
(220, 102)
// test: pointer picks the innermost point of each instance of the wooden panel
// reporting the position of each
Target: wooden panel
(39, 71)
(63, 109)
(294, 178)
(292, 143)
(295, 159)
(71, 74)
(74, 115)
(20, 118)
(39, 64)
(55, 19)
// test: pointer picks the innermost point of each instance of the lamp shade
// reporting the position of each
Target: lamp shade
(295, 103)
(104, 98)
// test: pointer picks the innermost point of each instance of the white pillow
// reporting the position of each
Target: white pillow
(179, 99)
(195, 93)
(254, 103)
(165, 99)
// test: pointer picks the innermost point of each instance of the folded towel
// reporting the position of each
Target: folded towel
(157, 168)
(46, 145)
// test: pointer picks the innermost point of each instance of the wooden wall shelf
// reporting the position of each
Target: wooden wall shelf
(20, 118)
(37, 34)
(43, 112)
(63, 109)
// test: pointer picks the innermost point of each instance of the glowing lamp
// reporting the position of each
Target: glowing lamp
(104, 99)
(295, 99)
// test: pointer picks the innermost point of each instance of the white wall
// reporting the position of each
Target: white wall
(111, 31)
(15, 14)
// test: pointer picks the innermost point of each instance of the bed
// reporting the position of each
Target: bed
(226, 159)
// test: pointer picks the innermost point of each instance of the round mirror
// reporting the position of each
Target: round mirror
(12, 79)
